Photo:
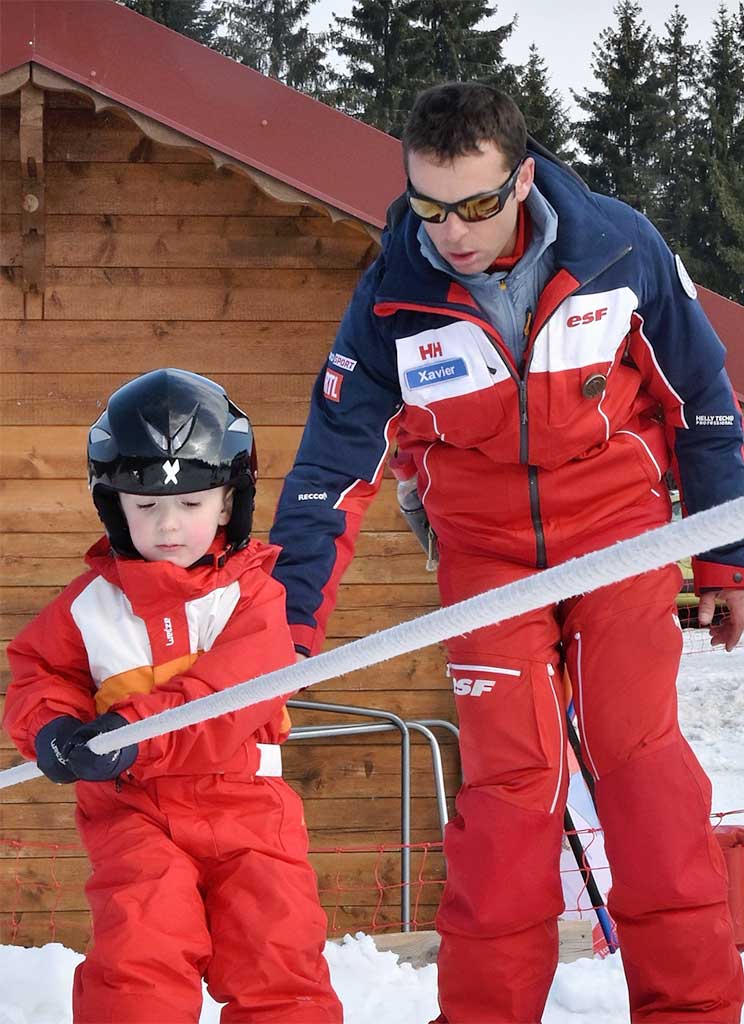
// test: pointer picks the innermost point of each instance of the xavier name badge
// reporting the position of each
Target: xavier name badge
(436, 373)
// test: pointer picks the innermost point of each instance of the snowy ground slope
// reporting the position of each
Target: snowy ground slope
(711, 710)
(372, 985)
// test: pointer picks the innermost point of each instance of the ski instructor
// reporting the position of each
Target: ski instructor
(540, 354)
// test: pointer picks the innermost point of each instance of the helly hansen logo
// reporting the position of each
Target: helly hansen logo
(168, 630)
(587, 318)
(436, 373)
(332, 385)
(431, 351)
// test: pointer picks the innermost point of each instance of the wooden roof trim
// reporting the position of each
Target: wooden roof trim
(161, 133)
(139, 63)
(15, 79)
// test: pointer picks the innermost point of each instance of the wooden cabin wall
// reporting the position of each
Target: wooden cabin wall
(155, 258)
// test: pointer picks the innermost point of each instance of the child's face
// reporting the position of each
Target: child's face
(177, 528)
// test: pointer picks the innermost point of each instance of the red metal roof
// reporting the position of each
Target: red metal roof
(208, 97)
(239, 112)
(728, 319)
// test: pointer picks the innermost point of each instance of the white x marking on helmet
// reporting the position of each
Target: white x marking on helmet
(171, 470)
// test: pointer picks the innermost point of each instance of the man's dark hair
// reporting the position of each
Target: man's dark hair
(450, 120)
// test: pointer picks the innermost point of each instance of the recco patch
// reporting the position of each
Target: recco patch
(436, 373)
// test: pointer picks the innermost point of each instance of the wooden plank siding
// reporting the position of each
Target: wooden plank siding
(155, 258)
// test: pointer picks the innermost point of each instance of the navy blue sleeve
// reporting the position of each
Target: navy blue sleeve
(354, 407)
(684, 360)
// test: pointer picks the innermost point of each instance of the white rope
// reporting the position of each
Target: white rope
(713, 528)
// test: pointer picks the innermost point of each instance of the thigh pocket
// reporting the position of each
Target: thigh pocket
(293, 831)
(510, 722)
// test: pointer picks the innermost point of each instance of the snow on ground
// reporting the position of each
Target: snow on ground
(372, 985)
(711, 710)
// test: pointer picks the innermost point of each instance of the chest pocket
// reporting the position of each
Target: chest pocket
(575, 354)
(452, 379)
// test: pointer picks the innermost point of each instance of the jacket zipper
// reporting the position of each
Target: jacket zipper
(541, 560)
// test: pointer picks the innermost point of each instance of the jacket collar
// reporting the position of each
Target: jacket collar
(586, 242)
(155, 587)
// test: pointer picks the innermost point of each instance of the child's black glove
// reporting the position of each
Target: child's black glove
(92, 767)
(50, 743)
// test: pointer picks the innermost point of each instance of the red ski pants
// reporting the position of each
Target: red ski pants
(497, 918)
(201, 877)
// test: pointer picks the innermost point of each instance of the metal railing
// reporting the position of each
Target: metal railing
(391, 723)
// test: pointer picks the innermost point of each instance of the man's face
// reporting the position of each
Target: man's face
(471, 248)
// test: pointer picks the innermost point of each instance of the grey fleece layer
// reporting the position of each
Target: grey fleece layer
(507, 297)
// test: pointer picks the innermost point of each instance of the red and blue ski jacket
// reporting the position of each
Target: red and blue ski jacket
(623, 377)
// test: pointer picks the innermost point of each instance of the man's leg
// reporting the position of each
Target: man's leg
(503, 894)
(669, 883)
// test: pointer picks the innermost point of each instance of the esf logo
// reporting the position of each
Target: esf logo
(473, 687)
(587, 318)
(436, 373)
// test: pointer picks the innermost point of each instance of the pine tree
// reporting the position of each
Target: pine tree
(268, 35)
(677, 131)
(717, 232)
(375, 86)
(448, 46)
(192, 18)
(619, 132)
(546, 116)
(724, 85)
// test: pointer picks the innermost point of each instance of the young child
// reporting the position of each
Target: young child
(198, 848)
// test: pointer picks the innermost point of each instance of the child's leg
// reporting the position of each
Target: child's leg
(150, 941)
(268, 929)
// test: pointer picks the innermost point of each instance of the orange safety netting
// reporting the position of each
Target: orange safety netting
(360, 886)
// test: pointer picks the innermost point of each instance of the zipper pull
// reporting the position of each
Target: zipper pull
(528, 324)
(502, 284)
(432, 560)
(523, 400)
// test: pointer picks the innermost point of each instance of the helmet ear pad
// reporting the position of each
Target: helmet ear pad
(239, 528)
(112, 516)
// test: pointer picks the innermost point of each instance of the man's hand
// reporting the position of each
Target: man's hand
(728, 633)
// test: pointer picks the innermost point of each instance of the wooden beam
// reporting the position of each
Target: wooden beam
(421, 948)
(11, 81)
(33, 208)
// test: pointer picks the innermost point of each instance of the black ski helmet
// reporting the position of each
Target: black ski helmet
(171, 432)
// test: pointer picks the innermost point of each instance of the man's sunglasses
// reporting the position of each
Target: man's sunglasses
(473, 208)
